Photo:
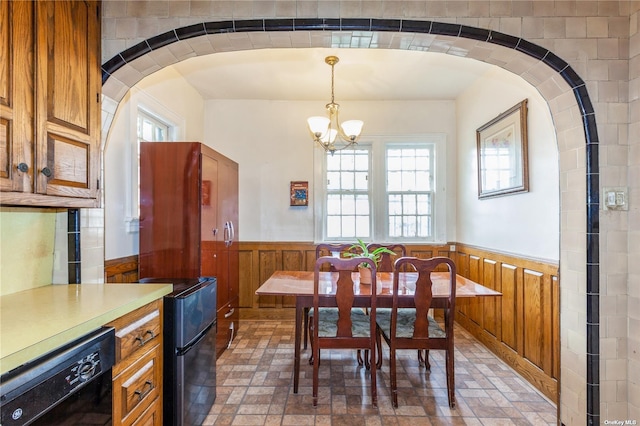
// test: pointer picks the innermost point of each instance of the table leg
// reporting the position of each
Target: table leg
(296, 361)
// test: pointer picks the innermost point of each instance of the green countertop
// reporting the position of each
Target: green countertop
(34, 322)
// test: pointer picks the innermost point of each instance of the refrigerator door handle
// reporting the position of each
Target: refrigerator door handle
(233, 233)
(194, 343)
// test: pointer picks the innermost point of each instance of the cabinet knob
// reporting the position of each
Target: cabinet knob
(46, 171)
(23, 167)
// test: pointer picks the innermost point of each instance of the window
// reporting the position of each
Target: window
(348, 207)
(383, 191)
(409, 191)
(149, 129)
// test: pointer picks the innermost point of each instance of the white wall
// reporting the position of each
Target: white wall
(271, 143)
(526, 224)
(168, 96)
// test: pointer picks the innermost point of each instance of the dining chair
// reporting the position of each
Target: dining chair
(408, 328)
(324, 249)
(335, 323)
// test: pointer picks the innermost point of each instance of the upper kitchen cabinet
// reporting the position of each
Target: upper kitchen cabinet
(50, 103)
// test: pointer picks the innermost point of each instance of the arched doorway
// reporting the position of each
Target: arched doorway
(558, 83)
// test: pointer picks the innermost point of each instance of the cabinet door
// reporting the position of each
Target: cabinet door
(16, 96)
(230, 208)
(170, 203)
(209, 216)
(68, 85)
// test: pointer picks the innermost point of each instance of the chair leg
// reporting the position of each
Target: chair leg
(450, 379)
(316, 368)
(379, 348)
(310, 341)
(373, 363)
(392, 371)
(424, 360)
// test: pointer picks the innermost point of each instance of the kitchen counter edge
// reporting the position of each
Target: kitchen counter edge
(36, 321)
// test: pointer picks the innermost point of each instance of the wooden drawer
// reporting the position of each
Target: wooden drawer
(138, 330)
(152, 415)
(136, 388)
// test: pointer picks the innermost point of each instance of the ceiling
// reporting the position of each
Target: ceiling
(301, 74)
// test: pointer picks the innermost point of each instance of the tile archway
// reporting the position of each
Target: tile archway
(558, 83)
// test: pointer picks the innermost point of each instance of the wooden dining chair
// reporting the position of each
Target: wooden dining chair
(408, 328)
(335, 323)
(324, 249)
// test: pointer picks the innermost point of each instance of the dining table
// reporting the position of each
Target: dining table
(300, 284)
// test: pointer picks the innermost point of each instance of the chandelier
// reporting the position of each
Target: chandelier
(328, 132)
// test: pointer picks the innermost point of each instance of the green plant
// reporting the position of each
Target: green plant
(360, 249)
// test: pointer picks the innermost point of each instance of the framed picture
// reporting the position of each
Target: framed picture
(502, 154)
(299, 193)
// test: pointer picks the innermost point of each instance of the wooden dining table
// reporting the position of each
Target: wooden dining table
(300, 285)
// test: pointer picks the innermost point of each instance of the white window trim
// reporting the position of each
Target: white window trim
(140, 100)
(377, 188)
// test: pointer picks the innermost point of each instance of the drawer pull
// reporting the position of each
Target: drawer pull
(228, 314)
(145, 341)
(141, 394)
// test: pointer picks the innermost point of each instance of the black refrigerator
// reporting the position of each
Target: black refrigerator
(189, 374)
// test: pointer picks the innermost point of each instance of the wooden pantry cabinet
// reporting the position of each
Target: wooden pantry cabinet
(50, 88)
(189, 222)
(137, 373)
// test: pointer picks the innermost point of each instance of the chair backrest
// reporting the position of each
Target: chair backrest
(334, 250)
(386, 259)
(345, 291)
(423, 294)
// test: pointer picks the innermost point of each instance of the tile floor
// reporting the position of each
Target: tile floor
(255, 387)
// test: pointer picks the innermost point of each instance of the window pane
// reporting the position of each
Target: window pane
(348, 205)
(348, 226)
(333, 226)
(347, 180)
(333, 204)
(361, 181)
(333, 180)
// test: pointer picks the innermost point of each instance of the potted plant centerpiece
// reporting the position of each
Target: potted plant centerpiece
(360, 249)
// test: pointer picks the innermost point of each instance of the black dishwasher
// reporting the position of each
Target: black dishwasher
(70, 385)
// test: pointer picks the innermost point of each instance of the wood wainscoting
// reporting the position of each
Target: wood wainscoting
(122, 270)
(522, 327)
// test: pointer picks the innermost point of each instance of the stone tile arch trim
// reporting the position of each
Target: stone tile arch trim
(452, 31)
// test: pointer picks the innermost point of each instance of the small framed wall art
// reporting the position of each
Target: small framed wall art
(299, 193)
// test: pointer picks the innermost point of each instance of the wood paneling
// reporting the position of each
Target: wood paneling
(121, 270)
(509, 307)
(522, 326)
